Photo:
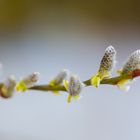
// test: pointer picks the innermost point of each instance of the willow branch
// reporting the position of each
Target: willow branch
(109, 81)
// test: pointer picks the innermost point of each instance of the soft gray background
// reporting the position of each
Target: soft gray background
(49, 36)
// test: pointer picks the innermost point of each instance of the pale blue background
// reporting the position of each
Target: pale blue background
(71, 41)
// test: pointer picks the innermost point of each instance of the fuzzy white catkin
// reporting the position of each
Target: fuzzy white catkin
(75, 86)
(132, 63)
(30, 80)
(60, 77)
(109, 59)
(8, 87)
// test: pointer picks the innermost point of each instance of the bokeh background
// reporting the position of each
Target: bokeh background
(47, 36)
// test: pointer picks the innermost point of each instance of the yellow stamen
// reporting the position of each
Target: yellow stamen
(95, 81)
(66, 84)
(56, 92)
(21, 87)
(77, 97)
(69, 98)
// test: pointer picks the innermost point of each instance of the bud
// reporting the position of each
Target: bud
(8, 87)
(74, 87)
(59, 78)
(132, 63)
(132, 68)
(28, 82)
(107, 63)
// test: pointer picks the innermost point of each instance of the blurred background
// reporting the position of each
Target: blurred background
(49, 35)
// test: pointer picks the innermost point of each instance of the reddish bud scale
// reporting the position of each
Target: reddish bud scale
(136, 73)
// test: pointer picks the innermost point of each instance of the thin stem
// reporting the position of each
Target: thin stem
(48, 88)
(110, 81)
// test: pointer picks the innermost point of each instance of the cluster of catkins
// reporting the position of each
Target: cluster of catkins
(107, 64)
(72, 83)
